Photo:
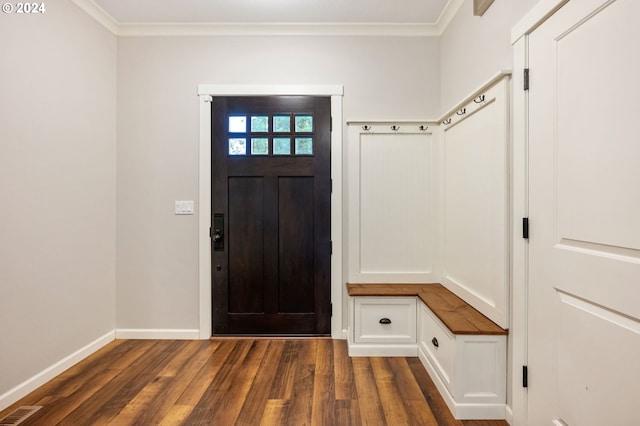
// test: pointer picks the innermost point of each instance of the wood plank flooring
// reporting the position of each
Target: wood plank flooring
(239, 382)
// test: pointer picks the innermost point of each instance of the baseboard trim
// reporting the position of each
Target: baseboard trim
(31, 384)
(340, 335)
(509, 415)
(157, 334)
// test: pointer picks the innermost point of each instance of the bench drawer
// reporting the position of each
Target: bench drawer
(385, 319)
(438, 344)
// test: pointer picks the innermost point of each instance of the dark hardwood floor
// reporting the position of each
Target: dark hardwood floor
(239, 382)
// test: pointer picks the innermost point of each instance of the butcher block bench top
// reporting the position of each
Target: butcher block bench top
(455, 313)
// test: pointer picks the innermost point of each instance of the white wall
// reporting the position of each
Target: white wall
(474, 48)
(157, 282)
(57, 186)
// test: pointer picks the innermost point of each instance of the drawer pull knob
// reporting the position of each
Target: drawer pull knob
(385, 321)
(435, 342)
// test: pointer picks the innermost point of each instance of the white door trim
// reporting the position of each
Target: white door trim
(205, 93)
(519, 246)
(520, 206)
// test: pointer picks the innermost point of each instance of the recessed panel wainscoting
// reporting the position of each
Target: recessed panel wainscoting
(428, 237)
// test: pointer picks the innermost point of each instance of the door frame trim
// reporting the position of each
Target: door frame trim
(518, 336)
(205, 94)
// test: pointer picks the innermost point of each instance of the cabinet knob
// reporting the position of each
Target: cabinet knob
(435, 342)
(385, 321)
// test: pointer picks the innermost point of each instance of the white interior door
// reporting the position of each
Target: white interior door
(584, 162)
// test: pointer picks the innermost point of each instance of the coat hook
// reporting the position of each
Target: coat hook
(366, 127)
(395, 128)
(479, 99)
(447, 121)
(423, 127)
(463, 111)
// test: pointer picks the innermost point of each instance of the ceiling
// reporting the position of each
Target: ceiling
(274, 11)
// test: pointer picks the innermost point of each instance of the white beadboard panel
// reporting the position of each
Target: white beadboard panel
(475, 207)
(391, 203)
(394, 203)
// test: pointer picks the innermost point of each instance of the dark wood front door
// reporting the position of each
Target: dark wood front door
(271, 202)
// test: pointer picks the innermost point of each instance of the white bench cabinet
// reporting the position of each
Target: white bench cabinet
(466, 359)
(469, 370)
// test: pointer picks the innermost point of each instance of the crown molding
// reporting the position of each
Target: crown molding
(447, 15)
(270, 29)
(98, 13)
(277, 29)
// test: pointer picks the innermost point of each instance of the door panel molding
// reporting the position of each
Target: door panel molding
(205, 93)
(579, 347)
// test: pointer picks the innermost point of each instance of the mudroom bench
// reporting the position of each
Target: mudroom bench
(463, 351)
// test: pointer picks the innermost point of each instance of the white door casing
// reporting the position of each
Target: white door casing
(205, 92)
(584, 204)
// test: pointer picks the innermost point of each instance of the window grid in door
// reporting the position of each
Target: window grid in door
(279, 134)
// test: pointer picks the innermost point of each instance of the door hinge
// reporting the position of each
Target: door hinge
(525, 228)
(331, 124)
(330, 247)
(526, 79)
(330, 309)
(210, 232)
(525, 376)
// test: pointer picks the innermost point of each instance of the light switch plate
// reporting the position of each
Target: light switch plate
(184, 207)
